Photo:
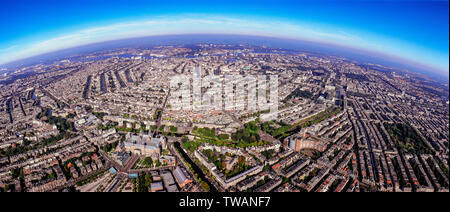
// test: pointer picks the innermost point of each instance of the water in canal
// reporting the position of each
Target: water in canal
(194, 166)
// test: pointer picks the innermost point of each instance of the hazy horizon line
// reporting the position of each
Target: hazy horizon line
(367, 52)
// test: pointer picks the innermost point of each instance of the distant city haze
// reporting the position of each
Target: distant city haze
(416, 31)
(359, 55)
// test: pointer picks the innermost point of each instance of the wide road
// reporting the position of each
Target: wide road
(120, 168)
(161, 112)
(72, 182)
(369, 145)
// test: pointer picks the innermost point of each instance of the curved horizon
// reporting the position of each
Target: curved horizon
(329, 46)
(434, 59)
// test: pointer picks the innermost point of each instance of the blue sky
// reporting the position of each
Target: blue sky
(415, 30)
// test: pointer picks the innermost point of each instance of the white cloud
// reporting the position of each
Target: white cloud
(192, 23)
(8, 48)
(167, 25)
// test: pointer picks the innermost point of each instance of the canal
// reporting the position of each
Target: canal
(194, 166)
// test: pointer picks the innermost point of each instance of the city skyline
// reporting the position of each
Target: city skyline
(228, 97)
(112, 121)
